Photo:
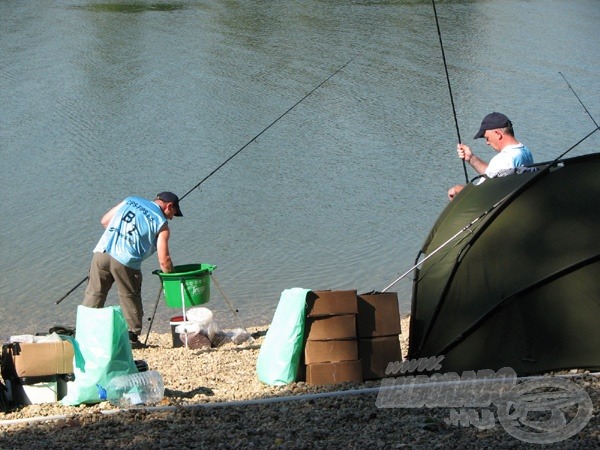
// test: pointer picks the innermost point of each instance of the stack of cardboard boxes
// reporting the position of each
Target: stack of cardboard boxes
(379, 332)
(349, 338)
(331, 344)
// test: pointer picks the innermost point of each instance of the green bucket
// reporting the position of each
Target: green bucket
(196, 285)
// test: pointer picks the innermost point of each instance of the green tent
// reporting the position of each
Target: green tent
(519, 286)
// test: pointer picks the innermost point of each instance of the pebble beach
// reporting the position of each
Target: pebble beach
(213, 399)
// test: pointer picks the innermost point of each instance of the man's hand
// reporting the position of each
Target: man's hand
(454, 190)
(464, 152)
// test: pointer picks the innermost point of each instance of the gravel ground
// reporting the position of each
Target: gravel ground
(191, 416)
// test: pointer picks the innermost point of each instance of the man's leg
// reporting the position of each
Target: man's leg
(129, 284)
(99, 282)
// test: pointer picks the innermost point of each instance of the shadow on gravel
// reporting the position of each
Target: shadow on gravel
(190, 394)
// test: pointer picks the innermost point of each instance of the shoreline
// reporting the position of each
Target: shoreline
(214, 398)
(195, 376)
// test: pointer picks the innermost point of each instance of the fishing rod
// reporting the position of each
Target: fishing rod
(437, 23)
(494, 211)
(577, 96)
(469, 225)
(68, 293)
(440, 247)
(160, 290)
(267, 127)
(239, 151)
(512, 194)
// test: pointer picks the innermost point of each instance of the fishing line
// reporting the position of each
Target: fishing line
(239, 151)
(437, 23)
(572, 90)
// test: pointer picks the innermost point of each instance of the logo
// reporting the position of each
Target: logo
(538, 410)
(544, 411)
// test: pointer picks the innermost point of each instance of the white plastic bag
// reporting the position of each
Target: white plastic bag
(31, 339)
(199, 314)
(188, 328)
(204, 318)
(239, 336)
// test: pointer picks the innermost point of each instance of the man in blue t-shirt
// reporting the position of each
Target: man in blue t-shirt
(498, 132)
(134, 230)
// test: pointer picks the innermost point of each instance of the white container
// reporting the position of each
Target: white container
(178, 327)
(44, 392)
(35, 390)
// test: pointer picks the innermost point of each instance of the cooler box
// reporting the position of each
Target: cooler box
(41, 389)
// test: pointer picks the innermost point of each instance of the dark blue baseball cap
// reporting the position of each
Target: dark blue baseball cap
(169, 197)
(493, 121)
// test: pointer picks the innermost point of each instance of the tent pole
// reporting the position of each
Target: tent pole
(544, 281)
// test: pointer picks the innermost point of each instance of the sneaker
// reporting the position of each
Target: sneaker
(135, 342)
(141, 365)
(138, 345)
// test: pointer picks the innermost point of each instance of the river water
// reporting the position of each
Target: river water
(102, 100)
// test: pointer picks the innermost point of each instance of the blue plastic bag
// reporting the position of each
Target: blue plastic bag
(102, 352)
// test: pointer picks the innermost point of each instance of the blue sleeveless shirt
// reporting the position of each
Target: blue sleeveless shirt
(130, 237)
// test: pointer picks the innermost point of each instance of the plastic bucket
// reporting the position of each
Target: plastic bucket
(196, 285)
(176, 337)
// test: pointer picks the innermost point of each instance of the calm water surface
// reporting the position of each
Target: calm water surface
(102, 100)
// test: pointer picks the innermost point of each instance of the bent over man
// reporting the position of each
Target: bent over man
(134, 230)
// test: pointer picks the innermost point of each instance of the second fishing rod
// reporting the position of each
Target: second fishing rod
(339, 69)
(509, 197)
(437, 23)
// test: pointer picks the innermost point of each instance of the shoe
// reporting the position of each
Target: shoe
(141, 365)
(138, 345)
(135, 342)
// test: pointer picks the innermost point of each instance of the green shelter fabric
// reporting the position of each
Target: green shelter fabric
(520, 287)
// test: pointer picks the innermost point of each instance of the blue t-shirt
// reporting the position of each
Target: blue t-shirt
(130, 237)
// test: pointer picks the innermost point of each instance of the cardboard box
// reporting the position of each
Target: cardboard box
(330, 327)
(330, 351)
(42, 359)
(333, 373)
(376, 353)
(378, 315)
(328, 303)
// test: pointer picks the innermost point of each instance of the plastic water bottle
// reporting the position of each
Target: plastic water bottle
(134, 389)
